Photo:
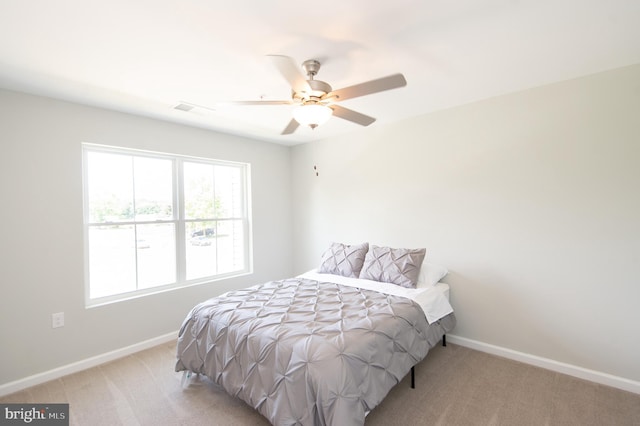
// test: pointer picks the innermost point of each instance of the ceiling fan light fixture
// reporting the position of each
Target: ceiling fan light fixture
(312, 115)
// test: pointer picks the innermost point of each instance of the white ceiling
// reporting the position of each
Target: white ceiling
(146, 56)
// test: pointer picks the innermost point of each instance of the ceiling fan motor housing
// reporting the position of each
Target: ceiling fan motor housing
(317, 90)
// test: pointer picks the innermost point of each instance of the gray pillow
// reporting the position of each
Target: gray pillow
(342, 259)
(396, 266)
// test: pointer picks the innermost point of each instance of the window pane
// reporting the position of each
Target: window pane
(198, 191)
(112, 266)
(156, 255)
(134, 215)
(201, 242)
(228, 191)
(230, 246)
(110, 187)
(153, 179)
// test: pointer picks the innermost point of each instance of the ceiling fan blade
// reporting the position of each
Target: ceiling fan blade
(351, 115)
(291, 127)
(254, 103)
(374, 86)
(291, 72)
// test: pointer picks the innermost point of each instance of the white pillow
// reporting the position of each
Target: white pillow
(430, 274)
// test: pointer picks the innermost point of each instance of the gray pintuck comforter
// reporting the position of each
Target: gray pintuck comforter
(305, 352)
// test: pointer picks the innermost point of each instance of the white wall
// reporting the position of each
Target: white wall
(41, 252)
(530, 199)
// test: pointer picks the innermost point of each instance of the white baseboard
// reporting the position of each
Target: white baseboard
(549, 364)
(56, 373)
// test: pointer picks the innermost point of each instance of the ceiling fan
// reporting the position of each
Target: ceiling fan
(315, 100)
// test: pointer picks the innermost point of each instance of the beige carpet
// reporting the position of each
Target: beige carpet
(454, 386)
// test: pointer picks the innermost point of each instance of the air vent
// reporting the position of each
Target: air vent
(194, 108)
(184, 107)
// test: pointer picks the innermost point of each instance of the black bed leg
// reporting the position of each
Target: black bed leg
(413, 377)
(444, 340)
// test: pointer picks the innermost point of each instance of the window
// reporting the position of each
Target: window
(157, 221)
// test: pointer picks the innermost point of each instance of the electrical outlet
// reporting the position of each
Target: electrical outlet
(57, 320)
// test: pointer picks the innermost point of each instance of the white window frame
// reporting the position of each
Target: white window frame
(178, 220)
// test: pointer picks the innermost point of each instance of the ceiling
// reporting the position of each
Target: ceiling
(145, 57)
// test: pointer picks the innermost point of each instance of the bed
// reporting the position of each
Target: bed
(316, 349)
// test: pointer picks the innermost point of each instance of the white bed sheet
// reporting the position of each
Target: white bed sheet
(433, 300)
(444, 288)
